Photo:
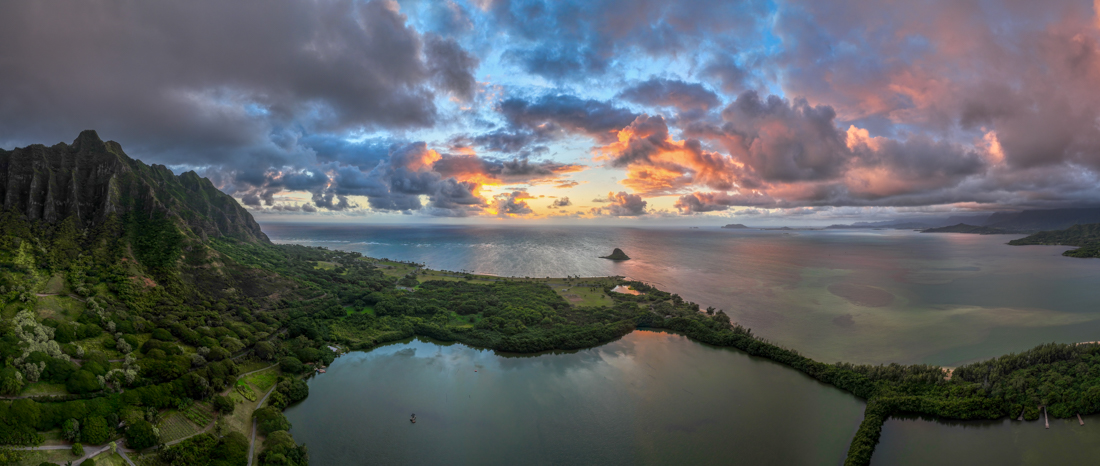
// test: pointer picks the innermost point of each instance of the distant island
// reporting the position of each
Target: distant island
(617, 255)
(735, 226)
(971, 229)
(1085, 237)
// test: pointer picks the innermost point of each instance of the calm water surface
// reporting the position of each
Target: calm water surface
(857, 296)
(914, 442)
(648, 398)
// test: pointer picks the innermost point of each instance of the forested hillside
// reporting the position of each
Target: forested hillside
(1086, 237)
(172, 330)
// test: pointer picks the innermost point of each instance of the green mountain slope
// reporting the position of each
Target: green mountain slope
(137, 304)
(1086, 237)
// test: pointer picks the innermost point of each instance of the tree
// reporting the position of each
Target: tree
(265, 350)
(292, 366)
(82, 382)
(95, 431)
(26, 412)
(11, 381)
(142, 435)
(224, 404)
(78, 449)
(70, 430)
(270, 419)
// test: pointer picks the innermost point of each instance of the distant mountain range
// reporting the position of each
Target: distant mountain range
(1027, 221)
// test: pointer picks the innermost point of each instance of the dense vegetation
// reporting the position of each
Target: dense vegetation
(131, 324)
(127, 351)
(1085, 237)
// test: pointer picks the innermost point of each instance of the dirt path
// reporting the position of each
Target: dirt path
(252, 442)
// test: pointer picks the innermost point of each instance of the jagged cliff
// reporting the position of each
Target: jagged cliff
(91, 179)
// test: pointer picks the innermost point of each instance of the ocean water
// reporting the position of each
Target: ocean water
(857, 296)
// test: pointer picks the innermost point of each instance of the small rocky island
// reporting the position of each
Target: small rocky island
(617, 255)
(735, 226)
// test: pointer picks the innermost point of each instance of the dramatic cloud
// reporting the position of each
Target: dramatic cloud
(657, 164)
(575, 40)
(622, 204)
(686, 97)
(250, 87)
(512, 204)
(698, 106)
(562, 202)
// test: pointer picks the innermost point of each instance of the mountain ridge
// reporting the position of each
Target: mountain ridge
(91, 179)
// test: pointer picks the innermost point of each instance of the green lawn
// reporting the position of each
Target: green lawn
(324, 265)
(35, 458)
(369, 310)
(55, 285)
(262, 380)
(391, 268)
(252, 365)
(58, 307)
(43, 388)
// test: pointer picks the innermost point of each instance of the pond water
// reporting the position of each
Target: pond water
(916, 442)
(856, 296)
(648, 398)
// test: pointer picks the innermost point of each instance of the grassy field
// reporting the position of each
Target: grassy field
(324, 265)
(577, 291)
(252, 365)
(109, 459)
(241, 419)
(263, 380)
(55, 285)
(391, 268)
(369, 310)
(35, 458)
(43, 388)
(58, 307)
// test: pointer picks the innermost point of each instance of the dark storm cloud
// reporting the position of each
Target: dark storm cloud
(575, 40)
(509, 171)
(730, 76)
(1026, 70)
(529, 124)
(234, 84)
(784, 140)
(451, 66)
(658, 92)
(552, 115)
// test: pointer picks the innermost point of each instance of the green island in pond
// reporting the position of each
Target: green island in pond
(148, 309)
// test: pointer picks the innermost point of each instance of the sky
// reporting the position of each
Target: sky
(600, 111)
